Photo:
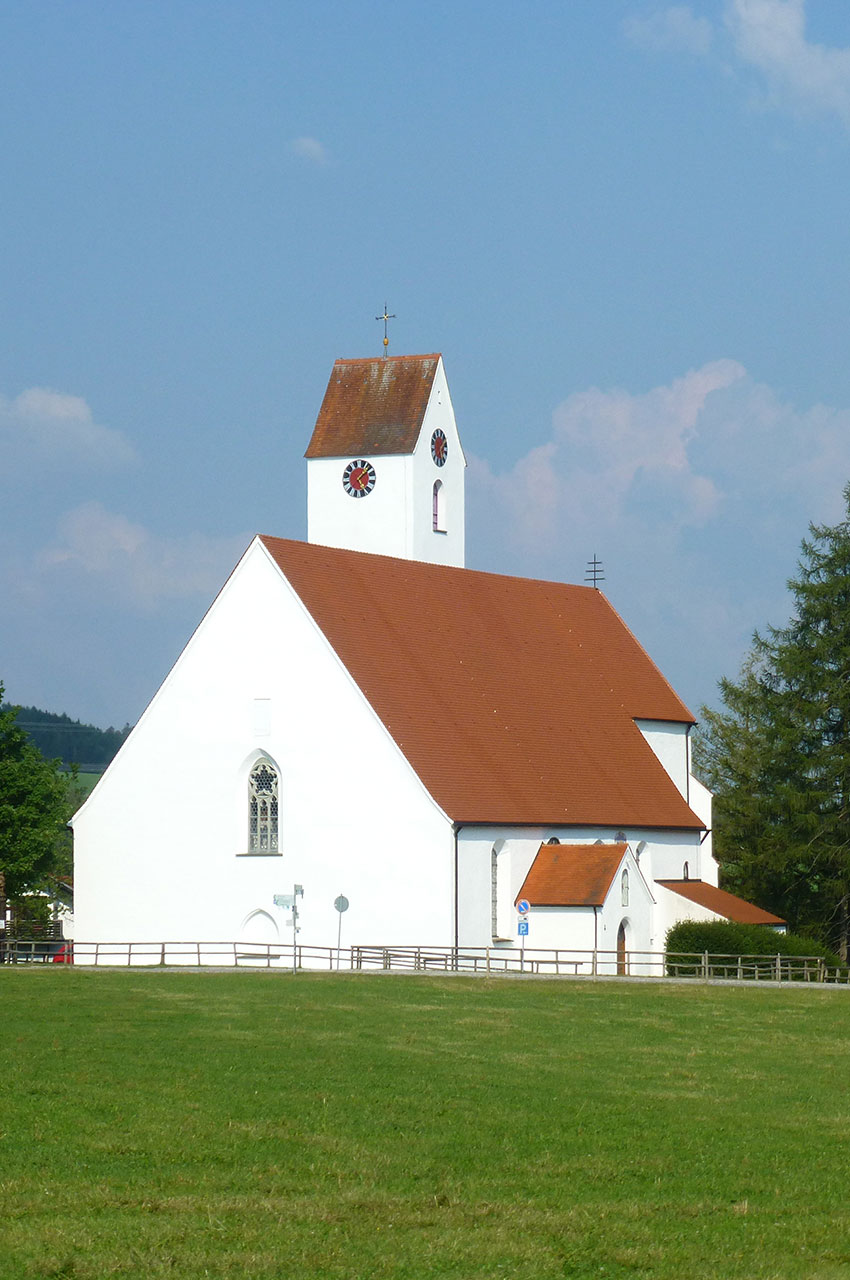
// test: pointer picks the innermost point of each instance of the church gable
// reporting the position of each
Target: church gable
(258, 763)
(373, 407)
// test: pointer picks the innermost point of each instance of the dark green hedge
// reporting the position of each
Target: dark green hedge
(722, 937)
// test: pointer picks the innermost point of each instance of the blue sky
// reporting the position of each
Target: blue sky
(625, 225)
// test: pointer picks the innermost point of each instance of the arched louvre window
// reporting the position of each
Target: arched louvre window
(263, 807)
(439, 507)
(624, 889)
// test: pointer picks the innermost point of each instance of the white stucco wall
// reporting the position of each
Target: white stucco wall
(395, 519)
(517, 848)
(701, 801)
(672, 908)
(160, 845)
(448, 547)
(377, 522)
(669, 741)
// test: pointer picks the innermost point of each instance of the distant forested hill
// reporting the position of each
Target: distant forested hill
(69, 740)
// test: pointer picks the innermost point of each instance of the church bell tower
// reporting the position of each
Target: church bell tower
(385, 467)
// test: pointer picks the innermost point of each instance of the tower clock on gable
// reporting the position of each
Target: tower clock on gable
(385, 467)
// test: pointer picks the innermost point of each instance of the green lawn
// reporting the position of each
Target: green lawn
(253, 1125)
(86, 782)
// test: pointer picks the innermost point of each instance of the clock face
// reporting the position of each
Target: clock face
(439, 447)
(358, 478)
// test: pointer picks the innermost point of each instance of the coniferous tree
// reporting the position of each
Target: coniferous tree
(778, 756)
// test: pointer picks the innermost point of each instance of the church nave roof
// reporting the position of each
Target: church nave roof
(513, 699)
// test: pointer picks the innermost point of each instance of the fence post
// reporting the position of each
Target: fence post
(488, 962)
(705, 966)
(593, 963)
(821, 967)
(778, 967)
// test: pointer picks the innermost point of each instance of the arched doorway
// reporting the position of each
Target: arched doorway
(622, 960)
(258, 926)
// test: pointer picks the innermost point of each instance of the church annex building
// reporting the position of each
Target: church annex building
(361, 715)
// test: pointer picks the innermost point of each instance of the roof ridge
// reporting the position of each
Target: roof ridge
(442, 568)
(428, 355)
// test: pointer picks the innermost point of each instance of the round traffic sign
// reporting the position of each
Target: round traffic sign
(341, 903)
(523, 906)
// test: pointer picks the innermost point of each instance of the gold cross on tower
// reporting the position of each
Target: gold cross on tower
(385, 317)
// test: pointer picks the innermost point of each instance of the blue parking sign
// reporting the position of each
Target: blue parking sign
(522, 928)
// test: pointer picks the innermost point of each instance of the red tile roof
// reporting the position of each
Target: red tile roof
(512, 699)
(571, 875)
(720, 902)
(373, 407)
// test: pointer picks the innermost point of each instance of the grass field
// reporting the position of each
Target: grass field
(251, 1125)
(86, 782)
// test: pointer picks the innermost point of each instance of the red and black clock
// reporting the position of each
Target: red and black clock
(358, 478)
(439, 447)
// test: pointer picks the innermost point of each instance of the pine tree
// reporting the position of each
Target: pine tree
(778, 756)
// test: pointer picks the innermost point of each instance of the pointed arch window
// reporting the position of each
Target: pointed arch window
(263, 808)
(624, 889)
(439, 507)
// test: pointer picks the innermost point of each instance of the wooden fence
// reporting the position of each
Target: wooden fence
(490, 961)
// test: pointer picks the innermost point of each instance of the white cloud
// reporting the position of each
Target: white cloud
(310, 149)
(694, 494)
(137, 565)
(52, 426)
(770, 35)
(675, 28)
(608, 449)
(712, 443)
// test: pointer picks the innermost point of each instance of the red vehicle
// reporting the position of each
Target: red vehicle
(65, 954)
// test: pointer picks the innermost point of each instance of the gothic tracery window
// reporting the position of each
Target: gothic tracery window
(263, 808)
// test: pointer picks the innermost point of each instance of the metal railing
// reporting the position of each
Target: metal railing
(487, 961)
(33, 950)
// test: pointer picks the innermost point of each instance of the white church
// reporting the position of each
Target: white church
(360, 715)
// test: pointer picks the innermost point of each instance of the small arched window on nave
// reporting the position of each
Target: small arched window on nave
(263, 808)
(624, 889)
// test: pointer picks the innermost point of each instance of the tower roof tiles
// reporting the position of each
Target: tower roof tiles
(373, 407)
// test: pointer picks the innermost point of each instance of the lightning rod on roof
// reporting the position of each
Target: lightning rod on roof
(594, 574)
(385, 317)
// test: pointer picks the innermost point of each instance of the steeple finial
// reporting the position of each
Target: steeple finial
(385, 317)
